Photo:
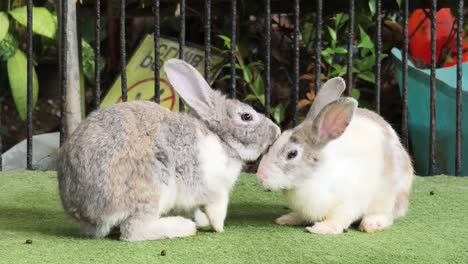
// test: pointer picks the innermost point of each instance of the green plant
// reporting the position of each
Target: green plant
(252, 78)
(334, 53)
(330, 53)
(363, 61)
(13, 24)
(44, 24)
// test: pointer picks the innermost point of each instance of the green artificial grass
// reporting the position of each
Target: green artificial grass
(435, 230)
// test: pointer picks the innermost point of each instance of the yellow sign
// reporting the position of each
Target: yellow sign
(140, 72)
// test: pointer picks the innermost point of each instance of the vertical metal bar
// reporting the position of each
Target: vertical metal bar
(63, 72)
(432, 136)
(296, 60)
(182, 43)
(29, 85)
(207, 39)
(458, 136)
(267, 55)
(318, 45)
(233, 47)
(97, 55)
(123, 61)
(404, 81)
(157, 54)
(378, 56)
(349, 76)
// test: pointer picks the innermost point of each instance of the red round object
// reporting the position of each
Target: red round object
(419, 31)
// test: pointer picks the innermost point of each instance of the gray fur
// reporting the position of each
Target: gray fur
(330, 91)
(121, 158)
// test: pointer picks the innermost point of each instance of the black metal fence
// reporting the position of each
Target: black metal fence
(267, 61)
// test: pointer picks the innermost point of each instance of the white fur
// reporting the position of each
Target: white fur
(249, 152)
(347, 181)
(341, 176)
(154, 229)
(220, 173)
(200, 218)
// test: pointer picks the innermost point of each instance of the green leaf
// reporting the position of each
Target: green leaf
(4, 25)
(365, 64)
(259, 89)
(338, 70)
(87, 60)
(327, 55)
(228, 65)
(398, 3)
(327, 52)
(262, 99)
(17, 74)
(227, 41)
(228, 77)
(367, 76)
(250, 97)
(340, 50)
(256, 64)
(43, 22)
(340, 20)
(337, 67)
(332, 33)
(356, 94)
(365, 41)
(247, 73)
(277, 112)
(372, 6)
(253, 97)
(8, 47)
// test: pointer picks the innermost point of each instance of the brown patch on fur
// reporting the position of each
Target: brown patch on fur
(135, 159)
(388, 154)
(393, 152)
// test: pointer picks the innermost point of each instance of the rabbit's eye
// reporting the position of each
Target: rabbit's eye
(246, 117)
(292, 154)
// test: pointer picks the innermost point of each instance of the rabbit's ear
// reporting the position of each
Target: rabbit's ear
(330, 91)
(189, 84)
(333, 120)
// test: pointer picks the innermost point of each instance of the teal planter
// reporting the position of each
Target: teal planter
(419, 115)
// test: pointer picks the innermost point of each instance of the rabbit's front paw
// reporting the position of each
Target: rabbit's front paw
(324, 228)
(200, 218)
(374, 223)
(291, 219)
(216, 212)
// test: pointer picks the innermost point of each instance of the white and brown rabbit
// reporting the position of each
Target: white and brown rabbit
(132, 164)
(340, 165)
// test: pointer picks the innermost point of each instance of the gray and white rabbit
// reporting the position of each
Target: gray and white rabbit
(340, 165)
(130, 165)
